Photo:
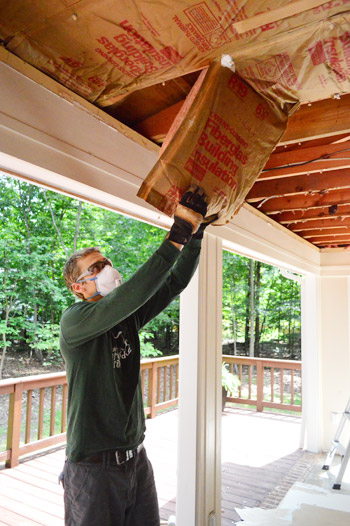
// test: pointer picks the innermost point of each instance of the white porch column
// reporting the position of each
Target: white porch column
(311, 352)
(199, 446)
(335, 374)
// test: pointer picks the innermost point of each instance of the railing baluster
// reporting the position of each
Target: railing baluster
(152, 386)
(149, 386)
(272, 384)
(292, 387)
(28, 416)
(259, 385)
(240, 379)
(250, 381)
(143, 374)
(41, 413)
(282, 394)
(158, 384)
(166, 388)
(171, 381)
(53, 410)
(64, 408)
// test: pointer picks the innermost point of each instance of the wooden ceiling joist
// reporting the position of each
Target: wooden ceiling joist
(157, 126)
(299, 216)
(339, 231)
(275, 15)
(301, 202)
(303, 160)
(324, 118)
(334, 244)
(333, 180)
(342, 239)
(331, 222)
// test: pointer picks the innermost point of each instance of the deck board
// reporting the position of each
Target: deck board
(251, 469)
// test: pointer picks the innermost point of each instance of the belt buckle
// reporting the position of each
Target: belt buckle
(123, 456)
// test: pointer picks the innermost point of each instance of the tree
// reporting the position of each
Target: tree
(260, 306)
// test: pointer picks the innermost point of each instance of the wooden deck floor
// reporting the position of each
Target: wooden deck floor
(259, 453)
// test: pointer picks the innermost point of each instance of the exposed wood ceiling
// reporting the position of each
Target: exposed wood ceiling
(305, 185)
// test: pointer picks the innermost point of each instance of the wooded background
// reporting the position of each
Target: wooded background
(39, 229)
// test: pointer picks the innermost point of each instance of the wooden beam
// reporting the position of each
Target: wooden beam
(333, 180)
(334, 244)
(281, 204)
(331, 222)
(331, 239)
(324, 118)
(321, 232)
(157, 126)
(335, 156)
(293, 7)
(299, 216)
(185, 108)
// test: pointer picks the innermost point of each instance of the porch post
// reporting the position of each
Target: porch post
(199, 446)
(311, 363)
(335, 326)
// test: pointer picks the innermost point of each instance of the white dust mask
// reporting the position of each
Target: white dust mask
(106, 281)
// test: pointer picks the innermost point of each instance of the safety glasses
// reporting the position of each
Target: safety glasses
(94, 268)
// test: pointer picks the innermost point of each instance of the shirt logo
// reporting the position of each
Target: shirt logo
(121, 349)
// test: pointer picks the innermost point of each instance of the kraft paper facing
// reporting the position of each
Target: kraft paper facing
(102, 49)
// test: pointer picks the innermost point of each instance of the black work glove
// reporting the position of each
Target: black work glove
(188, 215)
(200, 232)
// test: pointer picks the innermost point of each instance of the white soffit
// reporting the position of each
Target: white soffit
(52, 137)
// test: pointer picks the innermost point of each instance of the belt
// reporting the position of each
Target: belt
(113, 456)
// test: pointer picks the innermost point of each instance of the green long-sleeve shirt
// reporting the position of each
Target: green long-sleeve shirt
(100, 345)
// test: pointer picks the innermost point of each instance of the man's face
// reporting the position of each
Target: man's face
(88, 288)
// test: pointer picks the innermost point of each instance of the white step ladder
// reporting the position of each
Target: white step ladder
(340, 448)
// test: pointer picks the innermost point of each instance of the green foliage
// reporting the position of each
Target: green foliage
(276, 307)
(147, 348)
(45, 338)
(230, 382)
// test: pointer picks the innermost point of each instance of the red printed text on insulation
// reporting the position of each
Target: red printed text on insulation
(133, 55)
(216, 152)
(334, 51)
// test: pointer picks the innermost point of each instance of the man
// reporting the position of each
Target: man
(108, 479)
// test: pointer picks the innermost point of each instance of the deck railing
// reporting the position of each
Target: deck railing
(37, 404)
(22, 438)
(266, 382)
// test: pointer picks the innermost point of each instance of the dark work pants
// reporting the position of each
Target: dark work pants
(111, 495)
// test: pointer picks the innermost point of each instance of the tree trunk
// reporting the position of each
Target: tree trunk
(38, 352)
(234, 326)
(8, 307)
(252, 308)
(77, 226)
(257, 308)
(247, 316)
(290, 324)
(3, 354)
